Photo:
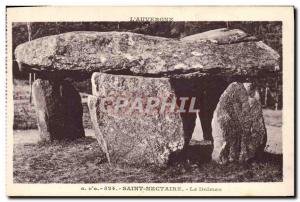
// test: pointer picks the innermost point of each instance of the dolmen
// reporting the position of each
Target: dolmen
(146, 91)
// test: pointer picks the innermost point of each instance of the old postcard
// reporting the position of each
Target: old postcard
(150, 101)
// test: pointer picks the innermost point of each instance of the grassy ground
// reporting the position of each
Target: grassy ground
(82, 161)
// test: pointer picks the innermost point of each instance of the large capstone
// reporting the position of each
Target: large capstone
(76, 53)
(238, 127)
(59, 110)
(135, 118)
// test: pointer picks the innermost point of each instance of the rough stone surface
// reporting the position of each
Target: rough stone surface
(59, 110)
(138, 54)
(221, 36)
(135, 136)
(238, 127)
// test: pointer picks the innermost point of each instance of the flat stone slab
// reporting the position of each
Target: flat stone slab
(221, 36)
(238, 127)
(137, 54)
(140, 135)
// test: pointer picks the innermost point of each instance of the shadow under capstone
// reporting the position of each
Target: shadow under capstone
(207, 92)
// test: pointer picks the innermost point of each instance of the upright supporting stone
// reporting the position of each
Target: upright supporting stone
(238, 127)
(129, 124)
(59, 110)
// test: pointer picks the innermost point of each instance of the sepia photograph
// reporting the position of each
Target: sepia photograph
(150, 101)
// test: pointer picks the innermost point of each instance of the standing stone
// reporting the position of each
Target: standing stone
(59, 110)
(238, 127)
(138, 136)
